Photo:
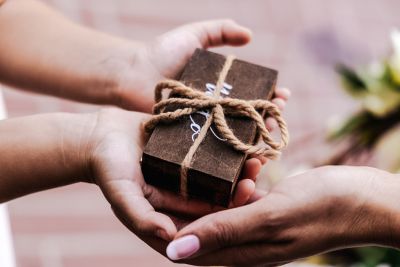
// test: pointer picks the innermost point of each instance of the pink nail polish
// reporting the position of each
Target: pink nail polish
(183, 247)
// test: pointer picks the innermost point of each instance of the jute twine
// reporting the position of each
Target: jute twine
(187, 101)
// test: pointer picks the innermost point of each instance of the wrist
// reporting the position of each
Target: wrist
(132, 86)
(75, 144)
(361, 203)
(112, 71)
(41, 152)
(386, 205)
(374, 216)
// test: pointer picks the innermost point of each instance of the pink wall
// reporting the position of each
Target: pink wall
(303, 39)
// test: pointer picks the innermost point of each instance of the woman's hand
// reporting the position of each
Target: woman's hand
(114, 151)
(51, 150)
(166, 56)
(59, 57)
(320, 210)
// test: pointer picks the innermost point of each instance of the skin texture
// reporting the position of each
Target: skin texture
(58, 57)
(320, 210)
(45, 141)
(102, 148)
(317, 211)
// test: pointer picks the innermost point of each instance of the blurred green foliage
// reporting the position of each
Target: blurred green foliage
(377, 88)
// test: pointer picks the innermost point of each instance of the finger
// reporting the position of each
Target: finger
(283, 93)
(135, 211)
(271, 124)
(219, 230)
(251, 169)
(244, 190)
(257, 195)
(180, 221)
(269, 254)
(279, 102)
(164, 200)
(220, 32)
(262, 159)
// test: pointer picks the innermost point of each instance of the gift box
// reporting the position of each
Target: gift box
(191, 154)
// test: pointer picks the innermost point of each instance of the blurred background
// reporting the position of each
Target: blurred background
(304, 39)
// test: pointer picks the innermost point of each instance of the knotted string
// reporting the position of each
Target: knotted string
(187, 101)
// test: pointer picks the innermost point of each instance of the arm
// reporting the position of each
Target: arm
(49, 54)
(321, 210)
(46, 53)
(50, 150)
(39, 152)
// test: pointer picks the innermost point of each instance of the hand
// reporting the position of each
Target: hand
(97, 68)
(317, 211)
(114, 150)
(166, 56)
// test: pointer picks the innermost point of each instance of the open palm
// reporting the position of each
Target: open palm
(166, 56)
(114, 157)
(119, 147)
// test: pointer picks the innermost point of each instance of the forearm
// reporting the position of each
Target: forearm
(44, 52)
(373, 204)
(320, 210)
(41, 152)
(385, 204)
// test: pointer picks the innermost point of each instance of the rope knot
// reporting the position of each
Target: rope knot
(185, 101)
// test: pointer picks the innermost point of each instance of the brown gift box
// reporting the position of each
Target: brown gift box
(215, 166)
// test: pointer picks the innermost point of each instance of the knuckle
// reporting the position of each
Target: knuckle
(150, 194)
(139, 226)
(144, 225)
(144, 228)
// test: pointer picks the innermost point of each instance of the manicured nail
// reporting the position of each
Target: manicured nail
(183, 247)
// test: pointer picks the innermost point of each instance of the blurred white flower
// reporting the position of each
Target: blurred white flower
(376, 69)
(395, 36)
(334, 123)
(394, 60)
(387, 154)
(381, 102)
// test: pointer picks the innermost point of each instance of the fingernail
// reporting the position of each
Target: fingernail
(183, 247)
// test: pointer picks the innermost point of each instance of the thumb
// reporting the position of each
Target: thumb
(218, 230)
(219, 32)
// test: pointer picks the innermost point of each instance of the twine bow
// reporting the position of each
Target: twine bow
(187, 101)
